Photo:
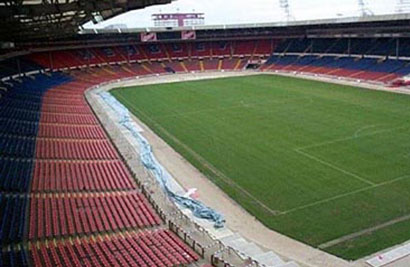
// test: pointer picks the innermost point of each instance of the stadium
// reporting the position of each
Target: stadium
(249, 144)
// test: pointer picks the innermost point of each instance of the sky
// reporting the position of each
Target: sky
(219, 12)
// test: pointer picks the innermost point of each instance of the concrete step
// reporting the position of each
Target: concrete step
(289, 264)
(249, 249)
(238, 243)
(269, 259)
(252, 250)
(220, 233)
(229, 238)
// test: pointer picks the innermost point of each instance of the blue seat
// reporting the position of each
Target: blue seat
(15, 174)
(12, 211)
(14, 257)
(17, 147)
(18, 127)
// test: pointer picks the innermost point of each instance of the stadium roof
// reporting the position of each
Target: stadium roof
(32, 19)
(393, 18)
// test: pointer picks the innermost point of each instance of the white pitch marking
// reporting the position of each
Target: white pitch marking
(335, 167)
(357, 234)
(344, 195)
(351, 138)
(207, 164)
(356, 134)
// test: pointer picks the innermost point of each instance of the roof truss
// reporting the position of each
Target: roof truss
(36, 19)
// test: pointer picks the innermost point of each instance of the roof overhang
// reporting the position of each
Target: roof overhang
(22, 20)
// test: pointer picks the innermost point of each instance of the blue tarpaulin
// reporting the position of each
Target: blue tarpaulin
(149, 161)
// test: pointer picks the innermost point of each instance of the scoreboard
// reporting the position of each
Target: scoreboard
(178, 19)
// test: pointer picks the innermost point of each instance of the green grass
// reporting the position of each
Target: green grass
(314, 161)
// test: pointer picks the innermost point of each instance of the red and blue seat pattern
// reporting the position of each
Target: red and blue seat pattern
(357, 68)
(20, 111)
(66, 197)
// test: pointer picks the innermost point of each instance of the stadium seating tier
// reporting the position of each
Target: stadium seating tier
(65, 190)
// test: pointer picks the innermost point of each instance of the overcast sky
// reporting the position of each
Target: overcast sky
(250, 11)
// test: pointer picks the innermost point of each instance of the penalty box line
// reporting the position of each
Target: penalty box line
(277, 212)
(397, 179)
(335, 167)
(372, 185)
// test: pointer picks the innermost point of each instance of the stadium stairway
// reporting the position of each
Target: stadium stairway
(244, 248)
(66, 197)
(249, 249)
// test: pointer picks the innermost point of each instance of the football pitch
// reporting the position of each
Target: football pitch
(325, 164)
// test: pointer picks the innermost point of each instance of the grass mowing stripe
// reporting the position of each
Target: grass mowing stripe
(207, 164)
(363, 232)
(247, 128)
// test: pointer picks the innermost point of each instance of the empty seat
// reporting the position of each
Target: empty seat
(146, 248)
(12, 218)
(68, 176)
(18, 127)
(14, 256)
(71, 131)
(62, 215)
(74, 149)
(15, 174)
(18, 147)
(68, 118)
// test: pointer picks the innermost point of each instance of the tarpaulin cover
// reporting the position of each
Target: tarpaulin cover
(150, 162)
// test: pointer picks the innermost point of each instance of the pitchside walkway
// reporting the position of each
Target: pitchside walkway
(77, 208)
(239, 246)
(212, 196)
